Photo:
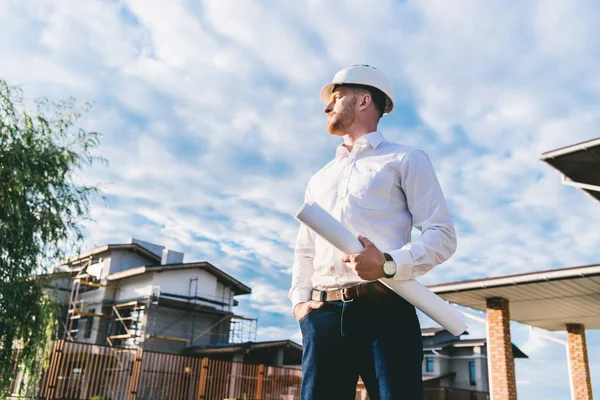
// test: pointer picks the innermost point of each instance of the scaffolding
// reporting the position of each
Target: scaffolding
(239, 330)
(131, 322)
(81, 283)
(125, 325)
(242, 329)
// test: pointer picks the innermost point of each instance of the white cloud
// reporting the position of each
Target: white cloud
(269, 297)
(276, 333)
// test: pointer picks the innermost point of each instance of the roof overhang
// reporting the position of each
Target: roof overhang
(579, 164)
(243, 347)
(460, 343)
(82, 257)
(239, 287)
(547, 299)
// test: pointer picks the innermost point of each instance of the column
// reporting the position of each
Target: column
(501, 365)
(579, 368)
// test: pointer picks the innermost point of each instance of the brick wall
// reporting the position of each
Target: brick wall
(581, 383)
(501, 361)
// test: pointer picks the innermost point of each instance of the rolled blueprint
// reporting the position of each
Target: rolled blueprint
(436, 308)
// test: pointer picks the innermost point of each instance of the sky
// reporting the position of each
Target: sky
(212, 127)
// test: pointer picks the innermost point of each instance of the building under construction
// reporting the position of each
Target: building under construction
(142, 295)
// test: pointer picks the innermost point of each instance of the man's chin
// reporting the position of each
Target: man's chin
(333, 131)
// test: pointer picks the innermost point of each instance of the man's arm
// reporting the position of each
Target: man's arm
(430, 215)
(303, 268)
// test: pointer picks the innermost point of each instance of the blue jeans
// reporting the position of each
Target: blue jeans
(377, 338)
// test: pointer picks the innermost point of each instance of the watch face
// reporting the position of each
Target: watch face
(389, 268)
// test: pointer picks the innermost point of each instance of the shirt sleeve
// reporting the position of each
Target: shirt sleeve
(430, 215)
(303, 267)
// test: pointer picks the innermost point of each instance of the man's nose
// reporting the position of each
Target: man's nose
(327, 109)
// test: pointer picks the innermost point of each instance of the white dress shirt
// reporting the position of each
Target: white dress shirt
(379, 190)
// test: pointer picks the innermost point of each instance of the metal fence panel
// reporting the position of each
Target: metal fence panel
(165, 376)
(83, 371)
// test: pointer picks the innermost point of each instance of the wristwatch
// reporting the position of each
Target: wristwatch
(389, 266)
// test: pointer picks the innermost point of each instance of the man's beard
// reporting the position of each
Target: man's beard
(338, 124)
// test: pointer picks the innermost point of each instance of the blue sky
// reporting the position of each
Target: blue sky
(212, 127)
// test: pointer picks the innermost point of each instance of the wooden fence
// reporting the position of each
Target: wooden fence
(78, 371)
(83, 371)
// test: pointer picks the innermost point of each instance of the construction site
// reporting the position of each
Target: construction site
(141, 295)
(137, 322)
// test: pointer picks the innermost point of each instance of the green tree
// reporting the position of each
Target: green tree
(41, 208)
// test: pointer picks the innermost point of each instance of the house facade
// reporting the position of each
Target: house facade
(454, 362)
(142, 295)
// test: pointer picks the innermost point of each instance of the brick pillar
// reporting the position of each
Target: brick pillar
(581, 383)
(501, 365)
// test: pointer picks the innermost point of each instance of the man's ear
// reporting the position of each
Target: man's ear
(365, 101)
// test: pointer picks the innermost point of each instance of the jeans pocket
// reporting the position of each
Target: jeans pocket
(306, 316)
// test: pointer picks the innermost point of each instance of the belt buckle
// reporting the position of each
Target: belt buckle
(343, 296)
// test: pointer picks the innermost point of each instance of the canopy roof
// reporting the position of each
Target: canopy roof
(546, 299)
(579, 164)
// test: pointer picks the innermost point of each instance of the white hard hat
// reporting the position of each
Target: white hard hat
(361, 75)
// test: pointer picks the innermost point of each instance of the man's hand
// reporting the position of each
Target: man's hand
(368, 264)
(303, 309)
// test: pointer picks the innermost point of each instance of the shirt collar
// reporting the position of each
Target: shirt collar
(374, 139)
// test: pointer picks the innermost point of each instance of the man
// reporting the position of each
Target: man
(352, 325)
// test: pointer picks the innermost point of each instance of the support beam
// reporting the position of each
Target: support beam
(501, 365)
(173, 339)
(579, 367)
(97, 285)
(88, 314)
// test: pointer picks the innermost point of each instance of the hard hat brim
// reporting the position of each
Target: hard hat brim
(325, 94)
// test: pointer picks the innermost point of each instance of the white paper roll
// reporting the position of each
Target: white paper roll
(436, 308)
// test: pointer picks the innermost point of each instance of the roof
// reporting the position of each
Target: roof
(544, 299)
(243, 347)
(517, 353)
(580, 164)
(238, 286)
(109, 247)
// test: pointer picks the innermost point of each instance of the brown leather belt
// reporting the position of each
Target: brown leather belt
(350, 293)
